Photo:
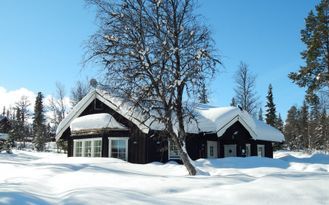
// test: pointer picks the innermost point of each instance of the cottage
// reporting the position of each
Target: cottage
(103, 126)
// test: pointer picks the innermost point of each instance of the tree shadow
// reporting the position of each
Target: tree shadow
(20, 198)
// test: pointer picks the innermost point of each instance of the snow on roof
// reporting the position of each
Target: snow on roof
(208, 119)
(218, 119)
(95, 121)
(2, 117)
(4, 136)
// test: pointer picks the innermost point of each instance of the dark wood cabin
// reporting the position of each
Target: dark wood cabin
(135, 145)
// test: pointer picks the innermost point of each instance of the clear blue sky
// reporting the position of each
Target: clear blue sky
(41, 42)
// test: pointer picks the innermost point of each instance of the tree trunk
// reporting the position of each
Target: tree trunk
(183, 153)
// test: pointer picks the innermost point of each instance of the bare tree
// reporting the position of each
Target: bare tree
(22, 115)
(79, 91)
(154, 54)
(245, 94)
(57, 105)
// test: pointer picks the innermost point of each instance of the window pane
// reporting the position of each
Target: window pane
(97, 148)
(173, 152)
(87, 152)
(78, 149)
(118, 148)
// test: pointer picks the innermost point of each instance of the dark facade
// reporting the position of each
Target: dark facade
(144, 148)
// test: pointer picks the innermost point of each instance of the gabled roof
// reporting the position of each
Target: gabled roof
(114, 103)
(208, 119)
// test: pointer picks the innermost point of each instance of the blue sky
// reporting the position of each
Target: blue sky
(41, 42)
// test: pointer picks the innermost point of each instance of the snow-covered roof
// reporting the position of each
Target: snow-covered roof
(4, 136)
(208, 119)
(96, 121)
(2, 117)
(218, 119)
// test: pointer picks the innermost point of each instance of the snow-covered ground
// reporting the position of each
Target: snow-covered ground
(50, 178)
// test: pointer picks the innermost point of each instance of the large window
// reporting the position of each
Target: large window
(118, 147)
(91, 147)
(78, 149)
(172, 151)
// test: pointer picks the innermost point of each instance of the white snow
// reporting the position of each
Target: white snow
(4, 136)
(49, 178)
(95, 121)
(208, 118)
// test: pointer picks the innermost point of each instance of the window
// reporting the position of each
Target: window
(172, 151)
(87, 150)
(247, 150)
(260, 150)
(91, 147)
(118, 147)
(78, 149)
(97, 148)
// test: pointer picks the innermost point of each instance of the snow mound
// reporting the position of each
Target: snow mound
(251, 180)
(95, 121)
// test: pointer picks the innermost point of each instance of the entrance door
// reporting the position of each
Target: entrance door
(230, 150)
(212, 149)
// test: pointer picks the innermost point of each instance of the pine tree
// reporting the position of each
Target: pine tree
(260, 114)
(271, 109)
(291, 129)
(315, 74)
(203, 96)
(39, 124)
(233, 102)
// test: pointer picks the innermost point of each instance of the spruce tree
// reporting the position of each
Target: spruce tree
(39, 124)
(271, 109)
(291, 129)
(233, 102)
(279, 123)
(260, 114)
(315, 74)
(304, 126)
(203, 96)
(315, 128)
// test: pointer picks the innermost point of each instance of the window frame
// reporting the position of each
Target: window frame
(172, 157)
(83, 141)
(248, 150)
(118, 138)
(263, 150)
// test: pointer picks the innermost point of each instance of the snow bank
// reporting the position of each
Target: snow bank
(49, 178)
(95, 121)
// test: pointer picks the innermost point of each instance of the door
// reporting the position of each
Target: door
(212, 149)
(230, 150)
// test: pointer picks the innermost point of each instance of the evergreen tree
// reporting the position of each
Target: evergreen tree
(271, 109)
(314, 75)
(233, 102)
(291, 129)
(260, 114)
(315, 128)
(39, 129)
(279, 123)
(304, 126)
(203, 96)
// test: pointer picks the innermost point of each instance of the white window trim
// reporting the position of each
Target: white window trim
(263, 153)
(248, 154)
(83, 146)
(118, 138)
(169, 156)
